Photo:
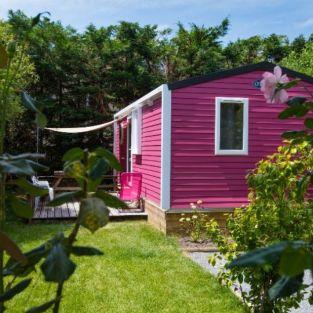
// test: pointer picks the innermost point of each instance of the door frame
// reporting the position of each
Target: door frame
(129, 160)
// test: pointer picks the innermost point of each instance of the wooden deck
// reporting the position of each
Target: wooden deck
(70, 210)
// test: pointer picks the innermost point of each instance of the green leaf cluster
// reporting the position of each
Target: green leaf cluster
(280, 212)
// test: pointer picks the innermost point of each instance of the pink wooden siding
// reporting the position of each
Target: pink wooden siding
(196, 172)
(149, 162)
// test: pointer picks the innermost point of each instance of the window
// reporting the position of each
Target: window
(231, 126)
(136, 131)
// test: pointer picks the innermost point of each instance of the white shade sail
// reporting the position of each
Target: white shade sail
(77, 130)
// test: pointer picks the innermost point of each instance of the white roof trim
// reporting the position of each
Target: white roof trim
(140, 102)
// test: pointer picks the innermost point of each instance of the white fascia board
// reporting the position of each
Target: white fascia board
(140, 102)
(166, 148)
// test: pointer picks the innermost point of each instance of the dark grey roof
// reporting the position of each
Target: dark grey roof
(236, 71)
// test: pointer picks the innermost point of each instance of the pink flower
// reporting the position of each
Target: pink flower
(269, 84)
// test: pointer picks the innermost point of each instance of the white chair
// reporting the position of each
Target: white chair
(42, 184)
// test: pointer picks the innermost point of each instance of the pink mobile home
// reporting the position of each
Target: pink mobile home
(198, 138)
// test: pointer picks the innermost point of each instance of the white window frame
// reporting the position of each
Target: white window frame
(136, 118)
(218, 103)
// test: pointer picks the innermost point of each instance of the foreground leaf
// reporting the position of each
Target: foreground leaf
(18, 288)
(64, 197)
(295, 101)
(35, 20)
(58, 267)
(33, 256)
(29, 102)
(293, 134)
(291, 83)
(94, 214)
(17, 167)
(308, 122)
(266, 255)
(80, 251)
(11, 248)
(110, 158)
(98, 170)
(294, 261)
(110, 200)
(289, 112)
(30, 188)
(74, 154)
(285, 287)
(7, 156)
(20, 208)
(41, 120)
(37, 166)
(42, 308)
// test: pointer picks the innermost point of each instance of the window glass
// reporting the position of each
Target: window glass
(231, 126)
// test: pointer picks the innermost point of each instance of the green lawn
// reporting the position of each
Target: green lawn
(141, 271)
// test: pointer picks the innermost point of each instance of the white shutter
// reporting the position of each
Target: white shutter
(136, 131)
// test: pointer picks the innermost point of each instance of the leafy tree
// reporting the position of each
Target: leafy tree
(298, 44)
(87, 168)
(275, 47)
(25, 75)
(84, 78)
(301, 61)
(197, 51)
(244, 51)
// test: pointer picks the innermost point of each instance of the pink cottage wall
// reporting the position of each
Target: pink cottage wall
(149, 162)
(196, 172)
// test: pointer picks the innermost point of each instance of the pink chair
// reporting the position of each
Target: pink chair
(130, 187)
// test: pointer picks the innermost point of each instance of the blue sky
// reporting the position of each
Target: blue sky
(247, 17)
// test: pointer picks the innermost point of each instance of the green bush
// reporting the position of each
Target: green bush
(279, 210)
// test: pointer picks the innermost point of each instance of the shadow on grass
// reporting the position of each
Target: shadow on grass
(32, 234)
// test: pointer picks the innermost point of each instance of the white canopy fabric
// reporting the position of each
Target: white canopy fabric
(77, 130)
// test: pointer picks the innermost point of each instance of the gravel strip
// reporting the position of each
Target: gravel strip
(202, 259)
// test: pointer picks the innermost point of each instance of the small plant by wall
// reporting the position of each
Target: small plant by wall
(194, 224)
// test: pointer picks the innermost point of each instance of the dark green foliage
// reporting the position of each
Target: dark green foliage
(20, 207)
(110, 201)
(285, 287)
(42, 308)
(94, 214)
(4, 58)
(58, 267)
(64, 197)
(18, 288)
(80, 251)
(83, 78)
(279, 216)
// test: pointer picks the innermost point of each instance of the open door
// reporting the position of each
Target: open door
(125, 146)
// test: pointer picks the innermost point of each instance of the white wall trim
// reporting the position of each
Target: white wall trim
(146, 99)
(245, 101)
(166, 112)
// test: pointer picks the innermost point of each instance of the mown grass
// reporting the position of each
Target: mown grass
(141, 271)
